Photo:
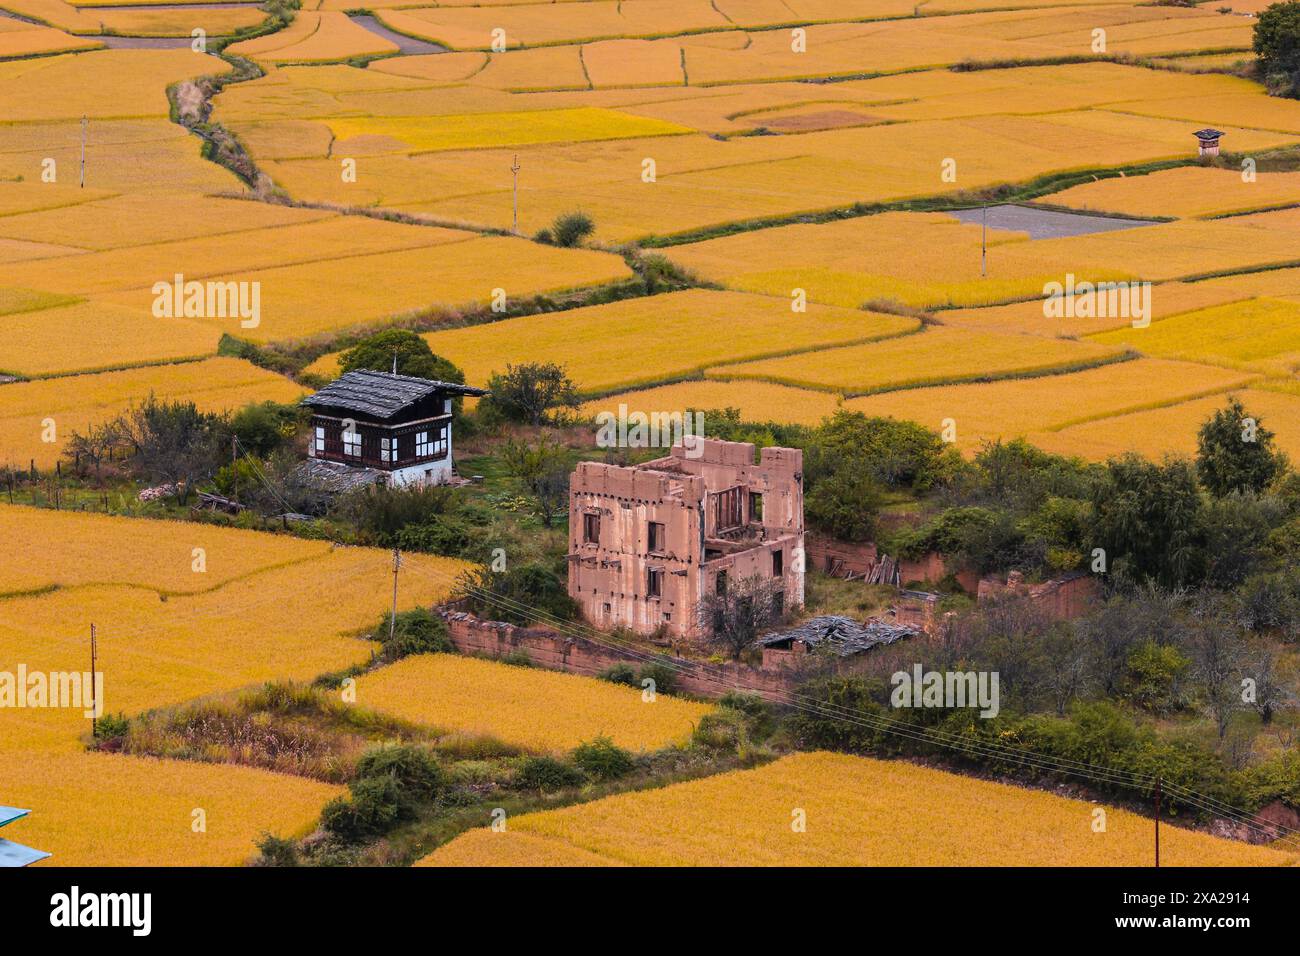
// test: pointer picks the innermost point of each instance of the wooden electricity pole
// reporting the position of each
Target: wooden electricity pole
(94, 649)
(392, 619)
(984, 242)
(514, 172)
(1157, 822)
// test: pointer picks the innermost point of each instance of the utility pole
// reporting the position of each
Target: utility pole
(984, 242)
(94, 648)
(234, 466)
(392, 619)
(84, 121)
(514, 172)
(1157, 822)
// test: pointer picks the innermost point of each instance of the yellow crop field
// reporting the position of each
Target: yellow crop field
(636, 341)
(113, 810)
(436, 278)
(628, 63)
(179, 22)
(1172, 429)
(100, 84)
(263, 607)
(13, 301)
(487, 848)
(134, 219)
(227, 254)
(757, 401)
(856, 260)
(95, 336)
(1189, 191)
(73, 403)
(161, 560)
(315, 37)
(121, 156)
(536, 709)
(1260, 335)
(19, 38)
(858, 812)
(286, 612)
(486, 130)
(1242, 107)
(1008, 409)
(1167, 299)
(942, 354)
(471, 28)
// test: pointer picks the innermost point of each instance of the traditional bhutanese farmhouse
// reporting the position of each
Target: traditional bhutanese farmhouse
(396, 426)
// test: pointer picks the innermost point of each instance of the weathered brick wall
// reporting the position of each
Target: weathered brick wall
(579, 655)
(852, 558)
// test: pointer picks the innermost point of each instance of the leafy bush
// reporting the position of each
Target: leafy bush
(568, 229)
(661, 672)
(1277, 44)
(376, 805)
(723, 730)
(844, 505)
(602, 759)
(417, 631)
(620, 673)
(277, 851)
(416, 770)
(547, 773)
(382, 512)
(523, 594)
(112, 726)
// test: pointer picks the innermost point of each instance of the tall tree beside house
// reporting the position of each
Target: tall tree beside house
(1277, 45)
(1235, 451)
(1149, 521)
(414, 358)
(174, 443)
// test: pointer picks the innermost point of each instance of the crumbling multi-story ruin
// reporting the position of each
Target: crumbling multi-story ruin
(648, 541)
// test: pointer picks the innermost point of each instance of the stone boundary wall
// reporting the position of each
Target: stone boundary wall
(580, 655)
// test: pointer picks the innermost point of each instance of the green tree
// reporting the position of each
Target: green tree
(544, 469)
(844, 505)
(1148, 519)
(734, 617)
(525, 393)
(1277, 44)
(414, 357)
(1235, 451)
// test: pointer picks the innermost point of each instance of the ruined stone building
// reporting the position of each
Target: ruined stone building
(648, 541)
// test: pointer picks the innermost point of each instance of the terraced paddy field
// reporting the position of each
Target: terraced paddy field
(168, 633)
(503, 701)
(857, 812)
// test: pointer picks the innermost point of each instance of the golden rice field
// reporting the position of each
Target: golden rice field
(1187, 192)
(756, 401)
(1171, 430)
(1167, 299)
(19, 38)
(175, 633)
(535, 709)
(113, 810)
(1261, 335)
(72, 404)
(856, 812)
(942, 354)
(1015, 407)
(315, 37)
(92, 336)
(266, 608)
(636, 341)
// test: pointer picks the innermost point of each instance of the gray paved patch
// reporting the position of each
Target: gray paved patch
(407, 46)
(1046, 223)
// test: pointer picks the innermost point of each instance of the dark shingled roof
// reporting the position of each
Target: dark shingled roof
(381, 394)
(843, 634)
(1208, 133)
